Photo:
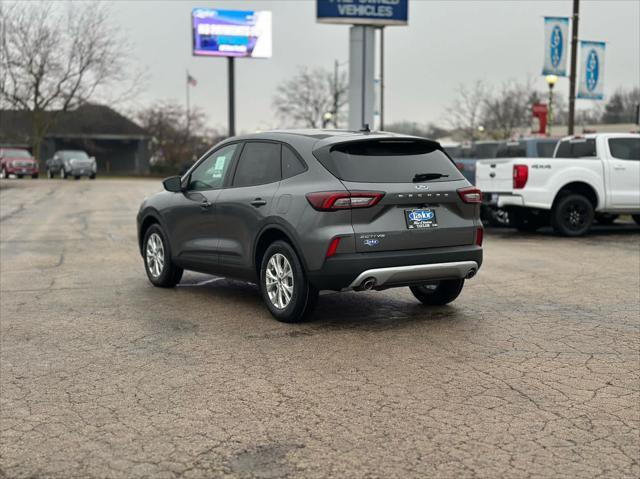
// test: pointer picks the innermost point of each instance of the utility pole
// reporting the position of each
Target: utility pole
(232, 99)
(381, 78)
(335, 93)
(572, 74)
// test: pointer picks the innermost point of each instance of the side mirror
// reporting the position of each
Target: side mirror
(172, 184)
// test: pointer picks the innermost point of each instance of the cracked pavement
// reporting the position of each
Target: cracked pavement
(533, 372)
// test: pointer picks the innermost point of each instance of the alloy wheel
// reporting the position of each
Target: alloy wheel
(575, 216)
(155, 255)
(279, 281)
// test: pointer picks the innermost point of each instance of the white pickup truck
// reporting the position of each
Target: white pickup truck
(590, 177)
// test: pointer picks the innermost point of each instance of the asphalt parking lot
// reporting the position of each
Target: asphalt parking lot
(533, 372)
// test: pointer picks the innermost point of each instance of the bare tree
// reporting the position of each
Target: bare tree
(508, 110)
(177, 140)
(305, 99)
(54, 59)
(622, 106)
(466, 110)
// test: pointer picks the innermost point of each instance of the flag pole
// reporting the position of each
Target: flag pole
(188, 84)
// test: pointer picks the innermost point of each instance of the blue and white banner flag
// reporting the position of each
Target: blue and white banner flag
(556, 34)
(591, 84)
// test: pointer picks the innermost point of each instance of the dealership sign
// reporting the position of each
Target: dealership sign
(591, 84)
(555, 46)
(231, 33)
(363, 12)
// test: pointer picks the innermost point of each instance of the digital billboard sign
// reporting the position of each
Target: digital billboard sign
(363, 12)
(231, 33)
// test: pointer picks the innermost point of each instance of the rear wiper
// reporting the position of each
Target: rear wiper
(427, 176)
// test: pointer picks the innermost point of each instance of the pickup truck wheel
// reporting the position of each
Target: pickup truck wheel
(572, 215)
(636, 218)
(161, 271)
(35, 176)
(439, 293)
(605, 218)
(285, 289)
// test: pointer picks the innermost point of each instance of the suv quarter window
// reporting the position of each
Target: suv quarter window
(292, 165)
(259, 164)
(210, 173)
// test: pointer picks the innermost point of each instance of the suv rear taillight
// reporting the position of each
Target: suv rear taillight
(343, 200)
(520, 176)
(470, 194)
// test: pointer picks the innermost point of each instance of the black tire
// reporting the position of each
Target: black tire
(304, 296)
(169, 274)
(438, 294)
(20, 176)
(572, 215)
(496, 217)
(526, 221)
(606, 218)
(92, 177)
(636, 218)
(76, 177)
(35, 176)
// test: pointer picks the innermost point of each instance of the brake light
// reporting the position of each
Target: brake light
(333, 246)
(479, 236)
(470, 194)
(520, 176)
(343, 200)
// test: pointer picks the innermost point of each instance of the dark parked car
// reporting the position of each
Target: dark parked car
(468, 155)
(76, 163)
(309, 210)
(18, 162)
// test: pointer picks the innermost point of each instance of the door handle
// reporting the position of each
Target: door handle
(617, 167)
(206, 204)
(258, 202)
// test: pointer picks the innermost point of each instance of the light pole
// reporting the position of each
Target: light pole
(326, 119)
(551, 81)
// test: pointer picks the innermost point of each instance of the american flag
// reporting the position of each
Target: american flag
(191, 81)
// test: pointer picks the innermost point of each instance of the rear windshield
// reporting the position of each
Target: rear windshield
(11, 153)
(484, 150)
(512, 150)
(77, 154)
(583, 148)
(625, 148)
(545, 149)
(389, 161)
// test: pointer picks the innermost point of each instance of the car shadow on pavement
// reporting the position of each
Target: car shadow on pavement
(376, 311)
(625, 229)
(371, 311)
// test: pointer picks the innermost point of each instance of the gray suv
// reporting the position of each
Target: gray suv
(301, 211)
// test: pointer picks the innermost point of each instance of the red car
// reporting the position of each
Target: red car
(17, 161)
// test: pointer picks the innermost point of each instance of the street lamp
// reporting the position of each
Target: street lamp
(551, 81)
(326, 118)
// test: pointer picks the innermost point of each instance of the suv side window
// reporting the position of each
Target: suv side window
(291, 164)
(209, 175)
(625, 148)
(259, 164)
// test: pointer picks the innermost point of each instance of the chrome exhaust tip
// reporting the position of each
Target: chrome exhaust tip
(472, 272)
(368, 284)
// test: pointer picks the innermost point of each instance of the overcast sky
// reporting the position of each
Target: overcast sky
(445, 44)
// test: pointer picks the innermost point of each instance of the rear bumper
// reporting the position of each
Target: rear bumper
(501, 200)
(397, 268)
(81, 172)
(19, 170)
